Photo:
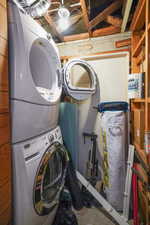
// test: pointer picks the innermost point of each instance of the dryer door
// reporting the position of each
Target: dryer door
(79, 79)
(50, 179)
(45, 69)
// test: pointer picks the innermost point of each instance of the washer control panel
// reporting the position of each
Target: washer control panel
(39, 145)
(55, 135)
(51, 138)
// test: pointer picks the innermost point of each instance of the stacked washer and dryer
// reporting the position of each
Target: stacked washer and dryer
(39, 157)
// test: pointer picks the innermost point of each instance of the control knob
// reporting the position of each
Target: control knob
(51, 138)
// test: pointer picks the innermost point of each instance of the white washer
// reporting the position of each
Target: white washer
(39, 167)
(35, 77)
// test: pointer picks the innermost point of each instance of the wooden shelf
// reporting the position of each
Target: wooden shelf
(139, 16)
(140, 27)
(136, 100)
(139, 46)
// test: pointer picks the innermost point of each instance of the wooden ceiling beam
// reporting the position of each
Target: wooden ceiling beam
(97, 33)
(137, 24)
(76, 37)
(123, 43)
(126, 14)
(115, 21)
(106, 31)
(53, 27)
(85, 15)
(103, 15)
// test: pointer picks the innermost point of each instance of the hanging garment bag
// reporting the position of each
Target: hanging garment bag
(114, 135)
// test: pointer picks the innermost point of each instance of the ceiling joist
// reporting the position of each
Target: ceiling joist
(103, 15)
(106, 31)
(85, 15)
(97, 33)
(76, 37)
(79, 22)
(123, 43)
(115, 21)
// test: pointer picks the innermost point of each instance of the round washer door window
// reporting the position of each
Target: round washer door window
(50, 179)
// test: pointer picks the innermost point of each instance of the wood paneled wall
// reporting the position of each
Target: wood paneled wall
(5, 151)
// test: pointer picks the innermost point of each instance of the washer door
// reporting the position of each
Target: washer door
(50, 179)
(79, 79)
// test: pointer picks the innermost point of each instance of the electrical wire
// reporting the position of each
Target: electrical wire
(89, 6)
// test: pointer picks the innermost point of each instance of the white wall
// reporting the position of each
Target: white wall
(112, 72)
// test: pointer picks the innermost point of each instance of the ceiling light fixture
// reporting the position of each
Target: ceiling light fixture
(63, 12)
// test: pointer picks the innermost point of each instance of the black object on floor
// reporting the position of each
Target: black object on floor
(88, 200)
(65, 215)
(73, 186)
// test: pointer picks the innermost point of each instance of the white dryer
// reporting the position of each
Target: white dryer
(35, 77)
(39, 168)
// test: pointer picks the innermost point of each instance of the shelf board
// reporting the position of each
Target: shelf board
(139, 46)
(139, 16)
(138, 100)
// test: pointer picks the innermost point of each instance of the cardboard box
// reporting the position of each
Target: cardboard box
(139, 127)
(136, 85)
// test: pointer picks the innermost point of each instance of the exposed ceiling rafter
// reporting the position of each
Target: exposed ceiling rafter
(106, 31)
(103, 15)
(97, 33)
(123, 43)
(85, 15)
(78, 26)
(115, 21)
(76, 37)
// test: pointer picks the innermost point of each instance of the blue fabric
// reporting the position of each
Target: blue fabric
(68, 121)
(113, 106)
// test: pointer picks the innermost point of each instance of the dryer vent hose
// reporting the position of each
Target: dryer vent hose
(35, 8)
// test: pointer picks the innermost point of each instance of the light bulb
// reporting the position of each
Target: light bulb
(63, 12)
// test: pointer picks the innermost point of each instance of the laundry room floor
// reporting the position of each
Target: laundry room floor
(93, 216)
